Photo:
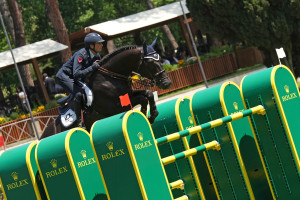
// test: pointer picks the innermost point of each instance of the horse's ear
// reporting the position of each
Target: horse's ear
(154, 42)
(145, 48)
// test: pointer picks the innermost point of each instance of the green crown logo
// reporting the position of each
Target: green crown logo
(235, 105)
(140, 135)
(14, 176)
(110, 145)
(191, 120)
(83, 153)
(286, 88)
(53, 162)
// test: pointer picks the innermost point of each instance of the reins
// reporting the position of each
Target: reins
(145, 81)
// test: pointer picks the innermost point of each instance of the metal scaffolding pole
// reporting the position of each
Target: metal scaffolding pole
(20, 78)
(194, 45)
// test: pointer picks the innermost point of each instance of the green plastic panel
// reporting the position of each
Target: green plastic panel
(228, 170)
(19, 175)
(278, 131)
(68, 166)
(245, 139)
(128, 158)
(175, 116)
(114, 159)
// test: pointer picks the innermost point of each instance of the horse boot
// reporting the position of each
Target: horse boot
(77, 110)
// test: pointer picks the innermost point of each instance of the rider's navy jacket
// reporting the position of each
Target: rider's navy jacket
(78, 66)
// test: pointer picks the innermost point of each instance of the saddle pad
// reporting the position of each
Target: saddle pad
(68, 118)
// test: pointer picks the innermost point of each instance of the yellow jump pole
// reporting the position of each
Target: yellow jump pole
(175, 136)
(177, 185)
(210, 145)
(184, 197)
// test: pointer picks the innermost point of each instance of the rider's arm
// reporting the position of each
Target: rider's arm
(78, 71)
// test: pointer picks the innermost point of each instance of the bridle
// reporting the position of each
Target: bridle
(143, 81)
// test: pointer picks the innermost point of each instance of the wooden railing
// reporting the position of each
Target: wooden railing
(16, 130)
(191, 75)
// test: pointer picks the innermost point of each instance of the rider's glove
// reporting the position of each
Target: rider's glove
(95, 65)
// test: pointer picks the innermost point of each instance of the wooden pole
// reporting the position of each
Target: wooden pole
(40, 80)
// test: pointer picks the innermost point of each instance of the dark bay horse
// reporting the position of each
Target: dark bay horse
(113, 80)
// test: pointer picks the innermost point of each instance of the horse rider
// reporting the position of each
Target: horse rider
(77, 67)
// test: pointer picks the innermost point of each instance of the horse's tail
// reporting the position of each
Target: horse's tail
(52, 129)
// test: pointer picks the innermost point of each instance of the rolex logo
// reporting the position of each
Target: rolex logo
(14, 176)
(53, 162)
(140, 135)
(235, 105)
(286, 88)
(110, 145)
(83, 153)
(191, 120)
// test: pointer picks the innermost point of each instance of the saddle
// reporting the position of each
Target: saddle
(67, 116)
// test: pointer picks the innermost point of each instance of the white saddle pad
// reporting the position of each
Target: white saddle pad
(68, 118)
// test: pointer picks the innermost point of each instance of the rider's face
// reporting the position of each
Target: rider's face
(98, 47)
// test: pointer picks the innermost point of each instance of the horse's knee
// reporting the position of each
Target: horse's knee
(143, 102)
(153, 116)
(149, 94)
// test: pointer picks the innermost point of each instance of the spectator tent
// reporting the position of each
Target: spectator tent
(31, 54)
(138, 22)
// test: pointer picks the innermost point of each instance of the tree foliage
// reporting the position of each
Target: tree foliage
(267, 24)
(78, 14)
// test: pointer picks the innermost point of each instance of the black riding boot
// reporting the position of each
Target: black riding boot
(77, 110)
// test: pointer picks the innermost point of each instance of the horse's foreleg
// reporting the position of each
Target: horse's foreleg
(138, 98)
(149, 97)
(153, 110)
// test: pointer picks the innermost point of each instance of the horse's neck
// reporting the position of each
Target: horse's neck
(125, 62)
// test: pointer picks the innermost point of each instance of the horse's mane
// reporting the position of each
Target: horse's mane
(116, 52)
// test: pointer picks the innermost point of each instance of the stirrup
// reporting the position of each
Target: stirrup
(80, 124)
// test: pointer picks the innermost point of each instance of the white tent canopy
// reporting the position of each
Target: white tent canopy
(30, 51)
(29, 54)
(140, 20)
(130, 24)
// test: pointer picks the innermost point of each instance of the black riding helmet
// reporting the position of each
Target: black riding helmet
(92, 38)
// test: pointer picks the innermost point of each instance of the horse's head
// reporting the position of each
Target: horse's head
(151, 67)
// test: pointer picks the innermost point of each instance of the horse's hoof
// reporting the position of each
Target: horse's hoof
(151, 120)
(153, 116)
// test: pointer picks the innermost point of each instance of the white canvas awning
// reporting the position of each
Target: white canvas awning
(31, 51)
(140, 20)
(30, 54)
(137, 22)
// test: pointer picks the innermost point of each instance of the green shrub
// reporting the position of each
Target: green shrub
(59, 96)
(168, 67)
(14, 116)
(216, 52)
(51, 104)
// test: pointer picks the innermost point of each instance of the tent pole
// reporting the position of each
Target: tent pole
(20, 79)
(194, 45)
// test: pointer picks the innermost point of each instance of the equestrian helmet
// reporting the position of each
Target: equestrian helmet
(92, 38)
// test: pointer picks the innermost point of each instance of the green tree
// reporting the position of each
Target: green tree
(267, 24)
(78, 14)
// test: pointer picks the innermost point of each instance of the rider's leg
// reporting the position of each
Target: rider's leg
(66, 83)
(78, 100)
